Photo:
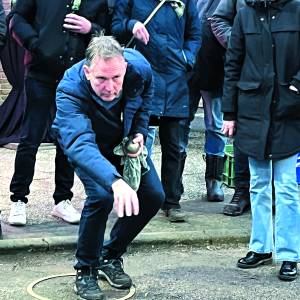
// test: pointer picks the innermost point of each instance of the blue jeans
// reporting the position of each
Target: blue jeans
(98, 204)
(213, 118)
(286, 240)
(150, 139)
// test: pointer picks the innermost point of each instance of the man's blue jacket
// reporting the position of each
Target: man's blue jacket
(77, 121)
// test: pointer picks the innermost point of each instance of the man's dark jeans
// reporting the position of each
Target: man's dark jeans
(98, 204)
(241, 169)
(39, 114)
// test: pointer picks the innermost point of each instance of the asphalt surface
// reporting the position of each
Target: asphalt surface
(159, 273)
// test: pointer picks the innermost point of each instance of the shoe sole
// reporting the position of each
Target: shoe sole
(266, 261)
(102, 275)
(17, 223)
(76, 292)
(60, 217)
(215, 200)
(176, 220)
(236, 214)
(287, 278)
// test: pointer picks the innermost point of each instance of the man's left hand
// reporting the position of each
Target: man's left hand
(77, 24)
(138, 138)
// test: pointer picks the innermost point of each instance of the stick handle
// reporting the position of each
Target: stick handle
(155, 10)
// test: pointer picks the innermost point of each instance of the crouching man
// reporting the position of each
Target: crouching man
(101, 100)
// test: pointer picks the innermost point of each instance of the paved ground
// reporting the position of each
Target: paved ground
(188, 261)
(205, 221)
(159, 273)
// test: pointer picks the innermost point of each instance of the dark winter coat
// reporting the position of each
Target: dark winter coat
(209, 68)
(171, 50)
(262, 62)
(78, 124)
(39, 26)
(222, 19)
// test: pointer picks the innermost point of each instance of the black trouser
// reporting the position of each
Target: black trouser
(241, 169)
(172, 132)
(39, 114)
(98, 204)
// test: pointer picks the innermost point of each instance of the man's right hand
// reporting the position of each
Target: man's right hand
(140, 32)
(125, 199)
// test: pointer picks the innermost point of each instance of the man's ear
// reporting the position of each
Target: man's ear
(87, 72)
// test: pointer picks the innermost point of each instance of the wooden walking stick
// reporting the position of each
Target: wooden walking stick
(155, 10)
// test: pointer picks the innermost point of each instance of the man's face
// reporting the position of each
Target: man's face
(106, 76)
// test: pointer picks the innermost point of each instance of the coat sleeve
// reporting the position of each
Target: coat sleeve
(141, 118)
(222, 21)
(233, 65)
(74, 132)
(192, 34)
(101, 22)
(2, 26)
(122, 24)
(21, 24)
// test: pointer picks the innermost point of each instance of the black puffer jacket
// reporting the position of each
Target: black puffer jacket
(262, 61)
(39, 26)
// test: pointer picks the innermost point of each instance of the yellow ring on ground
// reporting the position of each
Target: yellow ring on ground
(36, 296)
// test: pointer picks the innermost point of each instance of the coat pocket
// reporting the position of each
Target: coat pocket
(249, 99)
(288, 105)
(248, 85)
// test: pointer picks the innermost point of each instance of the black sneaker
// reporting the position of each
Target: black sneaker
(112, 271)
(86, 285)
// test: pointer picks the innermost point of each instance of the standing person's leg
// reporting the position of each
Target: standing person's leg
(64, 180)
(37, 119)
(261, 241)
(151, 197)
(171, 135)
(194, 99)
(94, 216)
(287, 217)
(150, 139)
(214, 144)
(240, 201)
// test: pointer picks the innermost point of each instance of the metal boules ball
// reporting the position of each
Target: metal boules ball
(131, 147)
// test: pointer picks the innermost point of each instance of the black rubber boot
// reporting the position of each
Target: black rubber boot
(213, 178)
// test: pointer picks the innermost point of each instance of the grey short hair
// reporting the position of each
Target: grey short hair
(104, 47)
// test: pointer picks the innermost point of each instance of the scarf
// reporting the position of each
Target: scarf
(76, 5)
(178, 6)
